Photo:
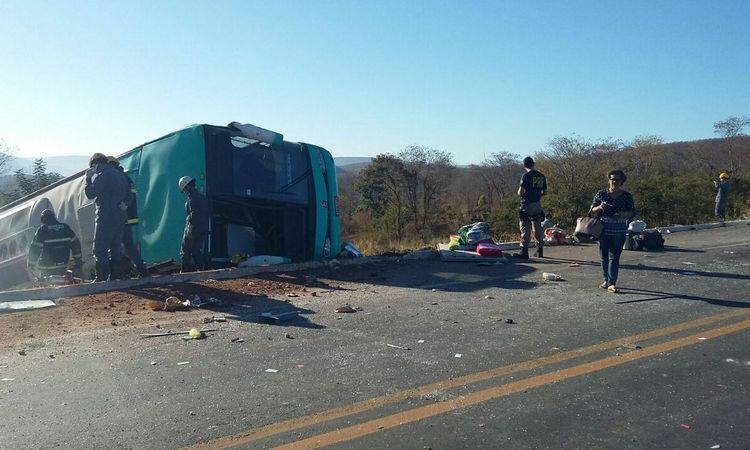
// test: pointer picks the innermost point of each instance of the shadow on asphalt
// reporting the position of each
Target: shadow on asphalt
(659, 295)
(424, 275)
(686, 272)
(237, 305)
(672, 249)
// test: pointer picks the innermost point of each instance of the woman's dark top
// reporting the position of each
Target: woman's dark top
(623, 202)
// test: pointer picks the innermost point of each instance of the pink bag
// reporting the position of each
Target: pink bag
(487, 249)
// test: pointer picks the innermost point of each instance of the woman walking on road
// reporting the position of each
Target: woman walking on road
(614, 207)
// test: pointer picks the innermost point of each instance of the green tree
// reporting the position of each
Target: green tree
(381, 187)
(428, 174)
(39, 179)
(500, 173)
(730, 128)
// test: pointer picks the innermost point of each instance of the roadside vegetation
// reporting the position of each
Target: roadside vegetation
(418, 197)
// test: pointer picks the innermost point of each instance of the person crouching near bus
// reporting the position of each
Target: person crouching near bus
(53, 245)
(131, 250)
(108, 188)
(196, 227)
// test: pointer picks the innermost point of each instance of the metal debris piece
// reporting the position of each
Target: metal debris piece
(398, 347)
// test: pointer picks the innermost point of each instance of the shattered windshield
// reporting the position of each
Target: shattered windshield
(280, 173)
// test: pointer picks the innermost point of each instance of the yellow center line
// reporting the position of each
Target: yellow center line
(416, 414)
(379, 402)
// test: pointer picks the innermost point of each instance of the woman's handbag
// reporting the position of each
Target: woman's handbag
(588, 228)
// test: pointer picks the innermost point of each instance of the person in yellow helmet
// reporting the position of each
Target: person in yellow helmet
(722, 186)
(108, 188)
(131, 250)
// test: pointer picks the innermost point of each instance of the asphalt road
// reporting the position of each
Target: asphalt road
(664, 364)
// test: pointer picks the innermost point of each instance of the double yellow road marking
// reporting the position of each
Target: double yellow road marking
(416, 414)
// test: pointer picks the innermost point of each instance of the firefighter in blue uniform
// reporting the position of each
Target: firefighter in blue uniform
(53, 245)
(131, 250)
(196, 227)
(109, 189)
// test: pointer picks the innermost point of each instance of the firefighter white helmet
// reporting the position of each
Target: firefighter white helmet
(184, 181)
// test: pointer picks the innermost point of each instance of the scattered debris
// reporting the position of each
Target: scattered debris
(175, 333)
(714, 447)
(22, 352)
(346, 309)
(26, 305)
(288, 336)
(299, 366)
(352, 249)
(195, 333)
(509, 321)
(633, 346)
(214, 319)
(688, 263)
(690, 274)
(574, 265)
(8, 379)
(458, 355)
(702, 339)
(272, 318)
(237, 340)
(174, 304)
(434, 303)
(488, 297)
(549, 276)
(685, 426)
(153, 363)
(292, 294)
(398, 347)
(182, 363)
(271, 370)
(421, 341)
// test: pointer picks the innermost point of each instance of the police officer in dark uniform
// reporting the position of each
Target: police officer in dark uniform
(131, 250)
(52, 247)
(109, 189)
(196, 227)
(532, 187)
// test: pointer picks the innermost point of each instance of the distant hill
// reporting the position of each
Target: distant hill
(349, 160)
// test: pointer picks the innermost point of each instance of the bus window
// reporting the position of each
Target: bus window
(12, 249)
(242, 167)
(3, 252)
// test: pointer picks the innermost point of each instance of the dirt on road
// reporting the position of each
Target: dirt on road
(138, 306)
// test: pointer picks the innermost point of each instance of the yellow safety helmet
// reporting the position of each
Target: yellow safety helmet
(97, 158)
(724, 176)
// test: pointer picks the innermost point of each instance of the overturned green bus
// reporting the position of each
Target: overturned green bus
(267, 196)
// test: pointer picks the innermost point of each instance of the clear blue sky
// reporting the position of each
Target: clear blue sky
(362, 78)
